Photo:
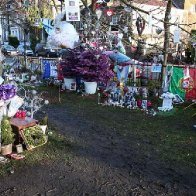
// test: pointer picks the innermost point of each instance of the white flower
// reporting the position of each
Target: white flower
(28, 113)
(34, 92)
(46, 102)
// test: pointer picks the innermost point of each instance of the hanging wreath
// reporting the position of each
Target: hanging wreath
(140, 24)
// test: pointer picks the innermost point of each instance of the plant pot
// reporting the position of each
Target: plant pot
(90, 87)
(68, 82)
(7, 149)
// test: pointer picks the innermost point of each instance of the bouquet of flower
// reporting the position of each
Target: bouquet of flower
(7, 91)
(93, 66)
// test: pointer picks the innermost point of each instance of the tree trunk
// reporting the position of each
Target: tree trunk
(94, 5)
(166, 37)
(55, 6)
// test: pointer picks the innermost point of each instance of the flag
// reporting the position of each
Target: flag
(46, 69)
(183, 82)
(191, 93)
(47, 24)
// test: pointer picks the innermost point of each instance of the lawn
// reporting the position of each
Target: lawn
(171, 135)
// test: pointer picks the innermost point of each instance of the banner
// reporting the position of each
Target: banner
(191, 92)
(48, 25)
(46, 69)
(156, 68)
(182, 85)
(49, 69)
(72, 9)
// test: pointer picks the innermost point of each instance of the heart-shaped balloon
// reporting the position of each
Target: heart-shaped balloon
(109, 12)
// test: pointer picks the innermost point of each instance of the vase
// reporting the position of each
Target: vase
(90, 87)
(7, 149)
(68, 83)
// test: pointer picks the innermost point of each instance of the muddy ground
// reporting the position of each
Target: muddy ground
(104, 162)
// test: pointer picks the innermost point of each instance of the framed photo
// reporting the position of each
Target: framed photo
(144, 104)
(19, 148)
(72, 8)
(73, 86)
(71, 3)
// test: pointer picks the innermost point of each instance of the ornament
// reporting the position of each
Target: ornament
(85, 26)
(159, 30)
(140, 24)
(99, 1)
(109, 12)
(149, 104)
(102, 1)
(139, 103)
(98, 13)
(125, 29)
(120, 35)
(98, 6)
(128, 9)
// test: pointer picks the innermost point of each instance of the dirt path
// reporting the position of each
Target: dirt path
(104, 163)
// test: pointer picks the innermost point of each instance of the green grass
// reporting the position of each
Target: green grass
(57, 148)
(170, 135)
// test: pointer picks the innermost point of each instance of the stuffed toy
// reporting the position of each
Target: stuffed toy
(64, 34)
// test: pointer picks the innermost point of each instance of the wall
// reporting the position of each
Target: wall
(190, 6)
(177, 16)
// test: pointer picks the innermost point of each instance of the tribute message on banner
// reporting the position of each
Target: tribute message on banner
(72, 10)
(156, 68)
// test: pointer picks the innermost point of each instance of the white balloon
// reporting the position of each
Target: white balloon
(98, 13)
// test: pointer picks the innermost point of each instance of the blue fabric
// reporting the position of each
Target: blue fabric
(119, 57)
(122, 73)
(46, 69)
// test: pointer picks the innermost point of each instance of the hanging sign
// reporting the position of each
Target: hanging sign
(177, 35)
(72, 10)
(150, 21)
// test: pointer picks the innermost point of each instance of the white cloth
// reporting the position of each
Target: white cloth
(15, 103)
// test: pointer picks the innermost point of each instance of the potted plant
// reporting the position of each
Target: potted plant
(7, 136)
(93, 66)
(68, 66)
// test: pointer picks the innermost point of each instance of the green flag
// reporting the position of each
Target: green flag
(175, 86)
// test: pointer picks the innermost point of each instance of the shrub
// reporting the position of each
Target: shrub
(7, 135)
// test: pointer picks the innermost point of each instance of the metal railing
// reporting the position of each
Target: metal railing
(35, 62)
